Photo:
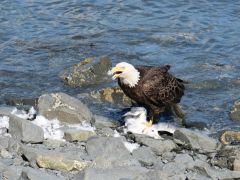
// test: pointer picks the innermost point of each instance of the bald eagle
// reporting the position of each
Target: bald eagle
(150, 86)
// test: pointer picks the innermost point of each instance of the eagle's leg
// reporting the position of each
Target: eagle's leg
(154, 115)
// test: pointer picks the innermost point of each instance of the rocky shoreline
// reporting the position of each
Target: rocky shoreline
(99, 149)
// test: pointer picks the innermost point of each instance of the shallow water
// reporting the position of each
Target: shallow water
(199, 39)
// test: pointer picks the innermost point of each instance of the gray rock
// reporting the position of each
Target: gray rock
(65, 108)
(53, 144)
(24, 130)
(54, 160)
(113, 95)
(98, 146)
(5, 154)
(114, 173)
(4, 142)
(235, 111)
(78, 135)
(217, 173)
(12, 172)
(173, 168)
(109, 152)
(195, 175)
(32, 174)
(145, 156)
(2, 166)
(108, 132)
(195, 140)
(14, 146)
(157, 146)
(90, 71)
(104, 122)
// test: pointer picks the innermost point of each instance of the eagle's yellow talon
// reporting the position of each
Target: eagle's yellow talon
(149, 123)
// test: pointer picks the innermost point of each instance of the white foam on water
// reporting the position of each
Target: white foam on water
(51, 128)
(82, 126)
(135, 122)
(116, 134)
(4, 125)
(131, 146)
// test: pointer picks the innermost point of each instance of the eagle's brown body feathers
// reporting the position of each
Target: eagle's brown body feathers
(155, 89)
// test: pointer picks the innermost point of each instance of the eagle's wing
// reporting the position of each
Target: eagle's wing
(160, 87)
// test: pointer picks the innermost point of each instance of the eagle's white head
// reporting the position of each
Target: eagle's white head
(127, 73)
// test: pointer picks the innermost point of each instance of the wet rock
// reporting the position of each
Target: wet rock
(60, 163)
(64, 107)
(113, 95)
(53, 143)
(225, 157)
(90, 71)
(117, 173)
(104, 122)
(22, 102)
(145, 156)
(24, 130)
(156, 145)
(235, 111)
(195, 140)
(78, 135)
(33, 174)
(230, 137)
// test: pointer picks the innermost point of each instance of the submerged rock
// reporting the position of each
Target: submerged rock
(90, 71)
(195, 140)
(235, 111)
(65, 108)
(24, 130)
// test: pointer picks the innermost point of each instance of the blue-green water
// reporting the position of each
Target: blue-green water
(199, 39)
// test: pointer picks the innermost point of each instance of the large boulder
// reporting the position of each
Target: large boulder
(65, 108)
(24, 130)
(90, 71)
(235, 111)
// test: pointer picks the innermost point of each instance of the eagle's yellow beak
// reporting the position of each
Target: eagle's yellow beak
(116, 71)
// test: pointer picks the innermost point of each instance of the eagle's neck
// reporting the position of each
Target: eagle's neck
(131, 79)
